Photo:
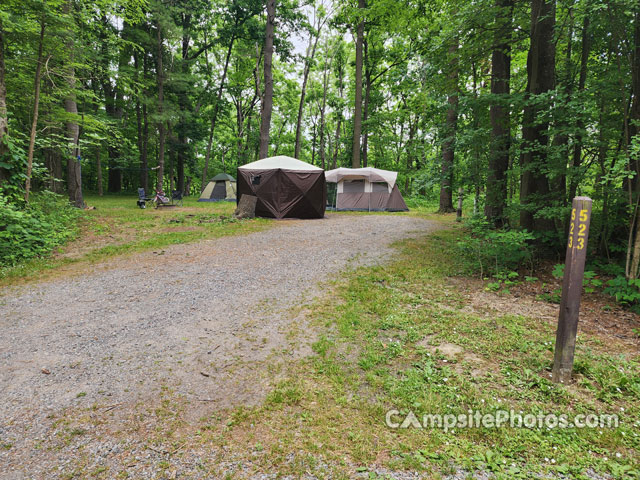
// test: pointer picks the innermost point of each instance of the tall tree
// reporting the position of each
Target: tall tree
(449, 142)
(500, 115)
(534, 187)
(267, 97)
(36, 106)
(314, 36)
(161, 120)
(4, 121)
(357, 111)
(74, 173)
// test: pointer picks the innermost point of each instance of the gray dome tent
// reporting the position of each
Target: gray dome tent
(221, 187)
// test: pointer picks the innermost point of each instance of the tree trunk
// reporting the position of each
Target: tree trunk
(560, 143)
(325, 87)
(633, 253)
(267, 98)
(577, 148)
(216, 106)
(36, 105)
(311, 52)
(144, 156)
(161, 131)
(534, 187)
(54, 166)
(4, 123)
(357, 112)
(183, 103)
(448, 145)
(365, 112)
(139, 121)
(496, 197)
(99, 168)
(114, 98)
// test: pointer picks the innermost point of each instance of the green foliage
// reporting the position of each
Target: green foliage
(13, 160)
(35, 229)
(489, 251)
(626, 292)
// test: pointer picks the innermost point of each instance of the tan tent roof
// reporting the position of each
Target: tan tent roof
(371, 174)
(281, 162)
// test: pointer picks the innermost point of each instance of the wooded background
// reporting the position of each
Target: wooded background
(523, 104)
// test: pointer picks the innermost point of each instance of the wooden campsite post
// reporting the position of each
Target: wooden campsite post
(459, 211)
(571, 290)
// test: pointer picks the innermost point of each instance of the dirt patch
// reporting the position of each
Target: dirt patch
(598, 313)
(455, 354)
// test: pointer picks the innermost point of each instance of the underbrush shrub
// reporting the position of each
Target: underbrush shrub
(487, 251)
(35, 229)
(625, 291)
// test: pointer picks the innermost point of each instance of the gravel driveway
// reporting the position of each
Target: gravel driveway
(193, 318)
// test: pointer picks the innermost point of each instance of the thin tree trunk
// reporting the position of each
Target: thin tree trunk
(267, 98)
(325, 87)
(496, 197)
(4, 123)
(448, 146)
(144, 158)
(36, 105)
(357, 112)
(577, 149)
(560, 143)
(365, 112)
(99, 168)
(161, 131)
(215, 114)
(534, 186)
(311, 52)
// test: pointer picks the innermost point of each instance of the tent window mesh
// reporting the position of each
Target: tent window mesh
(353, 186)
(379, 187)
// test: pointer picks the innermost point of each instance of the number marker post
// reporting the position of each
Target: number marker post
(571, 289)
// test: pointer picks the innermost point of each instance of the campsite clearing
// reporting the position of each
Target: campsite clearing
(211, 321)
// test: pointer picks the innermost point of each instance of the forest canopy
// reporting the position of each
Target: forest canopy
(519, 105)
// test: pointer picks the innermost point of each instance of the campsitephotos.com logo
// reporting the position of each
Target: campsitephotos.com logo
(498, 419)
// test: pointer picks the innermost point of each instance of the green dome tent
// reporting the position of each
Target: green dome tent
(222, 187)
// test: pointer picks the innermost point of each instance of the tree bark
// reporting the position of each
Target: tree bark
(214, 116)
(4, 123)
(144, 183)
(367, 98)
(325, 87)
(36, 105)
(74, 168)
(183, 103)
(448, 145)
(161, 131)
(500, 115)
(311, 52)
(357, 112)
(577, 148)
(534, 187)
(144, 156)
(632, 268)
(267, 97)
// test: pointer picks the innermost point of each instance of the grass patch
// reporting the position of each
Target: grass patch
(401, 337)
(118, 227)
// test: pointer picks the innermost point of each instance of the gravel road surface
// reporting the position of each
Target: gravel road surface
(193, 318)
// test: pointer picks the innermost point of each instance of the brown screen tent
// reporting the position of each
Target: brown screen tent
(365, 189)
(285, 187)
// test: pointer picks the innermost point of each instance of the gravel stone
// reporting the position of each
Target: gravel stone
(116, 335)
